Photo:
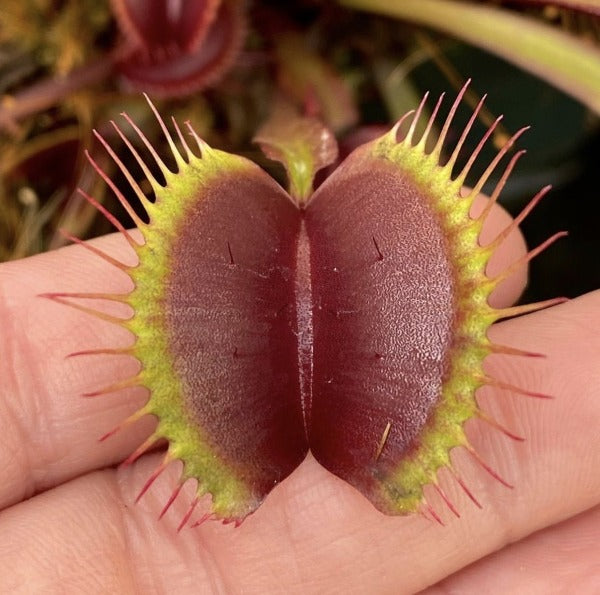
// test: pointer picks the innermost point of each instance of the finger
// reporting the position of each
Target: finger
(315, 533)
(52, 433)
(560, 559)
(49, 432)
(553, 471)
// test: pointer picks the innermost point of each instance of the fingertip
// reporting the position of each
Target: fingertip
(511, 249)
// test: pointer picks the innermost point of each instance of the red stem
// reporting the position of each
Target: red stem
(46, 93)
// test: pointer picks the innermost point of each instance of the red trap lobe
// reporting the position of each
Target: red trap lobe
(383, 305)
(231, 320)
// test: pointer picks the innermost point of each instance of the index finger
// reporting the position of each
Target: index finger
(49, 433)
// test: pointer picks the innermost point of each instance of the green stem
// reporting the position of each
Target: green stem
(565, 61)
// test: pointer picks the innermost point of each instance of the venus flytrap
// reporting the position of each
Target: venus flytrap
(350, 321)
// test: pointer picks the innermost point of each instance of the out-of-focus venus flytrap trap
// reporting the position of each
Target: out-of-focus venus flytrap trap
(176, 48)
(350, 321)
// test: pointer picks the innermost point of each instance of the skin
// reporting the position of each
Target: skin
(69, 523)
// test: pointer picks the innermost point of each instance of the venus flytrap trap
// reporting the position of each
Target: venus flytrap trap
(178, 47)
(350, 321)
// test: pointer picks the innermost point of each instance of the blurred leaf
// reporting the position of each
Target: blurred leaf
(306, 76)
(397, 91)
(567, 62)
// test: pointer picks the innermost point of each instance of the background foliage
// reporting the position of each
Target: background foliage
(357, 69)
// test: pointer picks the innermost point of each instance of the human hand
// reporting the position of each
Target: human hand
(69, 523)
